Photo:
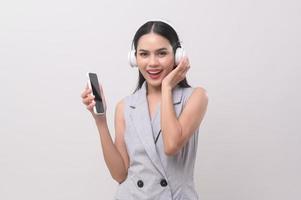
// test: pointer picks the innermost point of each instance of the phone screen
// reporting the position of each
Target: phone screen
(96, 92)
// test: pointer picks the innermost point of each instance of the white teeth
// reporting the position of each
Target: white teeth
(154, 72)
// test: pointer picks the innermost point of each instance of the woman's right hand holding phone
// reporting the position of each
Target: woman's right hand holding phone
(88, 100)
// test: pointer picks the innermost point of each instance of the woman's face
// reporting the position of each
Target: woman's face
(155, 58)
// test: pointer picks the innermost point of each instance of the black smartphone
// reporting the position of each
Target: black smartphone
(94, 85)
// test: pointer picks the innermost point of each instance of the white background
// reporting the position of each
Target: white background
(246, 53)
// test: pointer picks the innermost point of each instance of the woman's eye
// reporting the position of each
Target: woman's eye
(162, 53)
(142, 54)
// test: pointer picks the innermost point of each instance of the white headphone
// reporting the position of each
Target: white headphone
(180, 53)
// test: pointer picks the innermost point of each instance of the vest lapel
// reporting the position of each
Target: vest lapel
(177, 97)
(141, 120)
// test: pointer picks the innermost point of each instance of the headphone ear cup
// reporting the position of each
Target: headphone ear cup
(132, 58)
(180, 53)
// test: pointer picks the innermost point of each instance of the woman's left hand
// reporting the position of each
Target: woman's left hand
(177, 74)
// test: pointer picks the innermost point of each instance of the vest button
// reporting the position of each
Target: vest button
(163, 183)
(140, 183)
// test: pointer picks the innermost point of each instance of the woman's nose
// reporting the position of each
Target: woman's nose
(153, 60)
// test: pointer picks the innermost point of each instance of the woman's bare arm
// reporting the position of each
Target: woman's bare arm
(177, 131)
(115, 154)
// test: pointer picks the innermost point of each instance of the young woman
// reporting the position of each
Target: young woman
(156, 127)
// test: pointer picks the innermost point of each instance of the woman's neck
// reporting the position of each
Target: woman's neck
(154, 91)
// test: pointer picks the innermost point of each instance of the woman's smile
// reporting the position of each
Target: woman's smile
(154, 73)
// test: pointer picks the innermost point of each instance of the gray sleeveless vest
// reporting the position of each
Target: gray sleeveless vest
(152, 175)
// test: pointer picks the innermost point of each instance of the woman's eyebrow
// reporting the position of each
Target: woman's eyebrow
(161, 49)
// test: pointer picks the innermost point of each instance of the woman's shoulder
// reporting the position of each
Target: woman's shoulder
(197, 93)
(198, 90)
(125, 101)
